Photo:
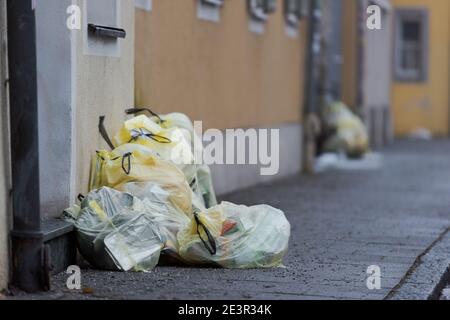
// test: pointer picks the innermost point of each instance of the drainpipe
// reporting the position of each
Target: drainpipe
(360, 47)
(314, 48)
(311, 102)
(28, 254)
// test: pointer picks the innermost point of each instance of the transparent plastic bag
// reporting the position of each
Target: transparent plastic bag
(155, 202)
(227, 235)
(119, 231)
(236, 236)
(174, 120)
(137, 163)
(172, 144)
(135, 245)
(349, 132)
(173, 138)
(203, 187)
(113, 233)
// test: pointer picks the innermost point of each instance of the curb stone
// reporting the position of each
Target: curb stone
(428, 276)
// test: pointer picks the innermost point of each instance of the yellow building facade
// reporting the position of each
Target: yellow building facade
(423, 102)
(219, 72)
(227, 69)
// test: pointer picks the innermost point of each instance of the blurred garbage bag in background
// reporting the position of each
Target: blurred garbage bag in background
(346, 132)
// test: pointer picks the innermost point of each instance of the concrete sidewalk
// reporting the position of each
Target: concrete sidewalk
(342, 222)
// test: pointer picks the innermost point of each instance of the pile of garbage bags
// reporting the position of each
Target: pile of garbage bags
(149, 199)
(346, 131)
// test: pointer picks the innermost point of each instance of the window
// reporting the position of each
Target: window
(411, 43)
(209, 10)
(294, 10)
(260, 9)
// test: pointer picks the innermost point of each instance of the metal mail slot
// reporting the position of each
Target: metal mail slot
(105, 31)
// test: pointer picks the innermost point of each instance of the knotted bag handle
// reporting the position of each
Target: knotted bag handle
(138, 110)
(103, 132)
(126, 162)
(210, 243)
(141, 132)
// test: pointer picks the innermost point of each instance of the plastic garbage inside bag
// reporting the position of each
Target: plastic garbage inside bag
(118, 231)
(203, 187)
(155, 202)
(113, 233)
(137, 163)
(236, 236)
(135, 245)
(348, 133)
(143, 206)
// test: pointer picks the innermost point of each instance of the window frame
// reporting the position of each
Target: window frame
(209, 10)
(214, 3)
(261, 11)
(420, 15)
(293, 17)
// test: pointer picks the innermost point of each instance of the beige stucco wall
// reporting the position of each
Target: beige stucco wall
(102, 86)
(220, 73)
(4, 162)
(349, 53)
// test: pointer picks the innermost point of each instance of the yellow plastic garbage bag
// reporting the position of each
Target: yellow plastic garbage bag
(227, 235)
(349, 132)
(236, 236)
(119, 231)
(175, 120)
(113, 233)
(172, 136)
(172, 144)
(167, 121)
(203, 185)
(137, 163)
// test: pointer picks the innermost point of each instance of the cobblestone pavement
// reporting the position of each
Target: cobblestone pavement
(342, 222)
